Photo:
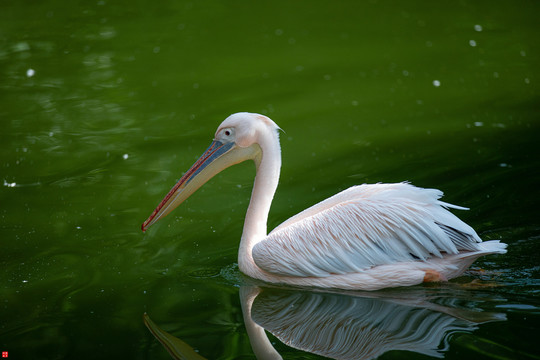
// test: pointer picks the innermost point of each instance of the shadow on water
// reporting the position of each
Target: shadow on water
(344, 325)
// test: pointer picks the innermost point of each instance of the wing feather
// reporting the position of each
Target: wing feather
(362, 227)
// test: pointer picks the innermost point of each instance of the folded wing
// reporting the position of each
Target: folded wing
(362, 227)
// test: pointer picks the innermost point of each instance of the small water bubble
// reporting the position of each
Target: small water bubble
(125, 156)
(13, 184)
(527, 81)
(478, 123)
(472, 43)
(436, 83)
(30, 73)
(478, 27)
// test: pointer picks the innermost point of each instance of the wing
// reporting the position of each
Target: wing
(362, 227)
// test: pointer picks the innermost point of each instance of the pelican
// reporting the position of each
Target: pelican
(366, 237)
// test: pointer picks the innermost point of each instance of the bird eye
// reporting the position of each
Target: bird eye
(227, 132)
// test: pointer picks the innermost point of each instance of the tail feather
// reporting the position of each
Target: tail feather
(492, 247)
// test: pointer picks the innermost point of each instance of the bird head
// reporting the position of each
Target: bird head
(237, 139)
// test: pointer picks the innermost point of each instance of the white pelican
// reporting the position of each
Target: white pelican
(367, 237)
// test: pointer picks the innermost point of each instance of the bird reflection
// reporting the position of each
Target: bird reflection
(353, 326)
(341, 326)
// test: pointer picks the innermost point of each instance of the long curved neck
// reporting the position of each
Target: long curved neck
(266, 181)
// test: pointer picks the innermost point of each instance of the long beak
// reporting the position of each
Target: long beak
(215, 159)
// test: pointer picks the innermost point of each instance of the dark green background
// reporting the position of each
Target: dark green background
(103, 105)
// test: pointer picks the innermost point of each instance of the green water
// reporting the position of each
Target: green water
(104, 104)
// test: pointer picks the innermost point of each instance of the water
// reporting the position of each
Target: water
(103, 105)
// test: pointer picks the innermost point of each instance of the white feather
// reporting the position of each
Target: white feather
(362, 227)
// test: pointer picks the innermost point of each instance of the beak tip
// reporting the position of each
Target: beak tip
(144, 227)
(149, 221)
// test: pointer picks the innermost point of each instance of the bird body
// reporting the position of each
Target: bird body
(366, 237)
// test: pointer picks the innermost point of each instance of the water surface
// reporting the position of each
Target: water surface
(104, 104)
